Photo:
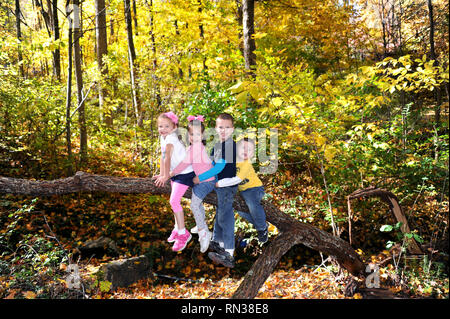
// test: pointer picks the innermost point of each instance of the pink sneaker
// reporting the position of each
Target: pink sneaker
(181, 241)
(173, 236)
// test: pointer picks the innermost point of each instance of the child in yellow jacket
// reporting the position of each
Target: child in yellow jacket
(250, 187)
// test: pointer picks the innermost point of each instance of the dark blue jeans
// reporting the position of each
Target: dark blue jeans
(224, 223)
(256, 215)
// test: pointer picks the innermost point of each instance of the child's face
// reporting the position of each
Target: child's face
(195, 134)
(224, 128)
(245, 150)
(165, 126)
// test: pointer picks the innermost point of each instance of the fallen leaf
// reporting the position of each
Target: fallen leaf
(29, 294)
(11, 294)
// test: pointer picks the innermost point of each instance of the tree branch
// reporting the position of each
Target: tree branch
(291, 231)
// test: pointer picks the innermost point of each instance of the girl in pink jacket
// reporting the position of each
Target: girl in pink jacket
(197, 157)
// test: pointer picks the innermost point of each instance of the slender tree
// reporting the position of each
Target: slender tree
(239, 20)
(102, 51)
(69, 90)
(153, 41)
(79, 78)
(19, 38)
(437, 93)
(202, 36)
(56, 35)
(248, 21)
(177, 32)
(135, 17)
(132, 62)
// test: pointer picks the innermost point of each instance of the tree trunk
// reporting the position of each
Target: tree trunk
(437, 91)
(19, 38)
(57, 52)
(291, 231)
(239, 20)
(79, 78)
(135, 18)
(202, 37)
(152, 32)
(132, 59)
(382, 13)
(177, 33)
(129, 27)
(102, 50)
(69, 95)
(248, 21)
(395, 208)
(155, 63)
(431, 20)
(52, 25)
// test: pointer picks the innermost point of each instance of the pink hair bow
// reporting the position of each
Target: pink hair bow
(198, 118)
(172, 116)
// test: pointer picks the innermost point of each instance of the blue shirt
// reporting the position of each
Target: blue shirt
(224, 160)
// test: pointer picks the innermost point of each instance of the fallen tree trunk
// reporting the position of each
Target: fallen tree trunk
(396, 210)
(291, 231)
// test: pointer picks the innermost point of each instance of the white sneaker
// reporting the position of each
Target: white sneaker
(204, 237)
(194, 230)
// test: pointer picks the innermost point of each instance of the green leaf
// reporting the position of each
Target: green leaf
(418, 238)
(386, 228)
(105, 286)
(398, 225)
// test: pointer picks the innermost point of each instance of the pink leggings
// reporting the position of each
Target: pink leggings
(178, 191)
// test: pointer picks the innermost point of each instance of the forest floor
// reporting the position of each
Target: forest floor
(38, 235)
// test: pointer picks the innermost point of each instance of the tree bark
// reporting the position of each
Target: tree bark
(248, 21)
(79, 78)
(153, 41)
(239, 20)
(202, 37)
(69, 95)
(291, 231)
(177, 33)
(132, 59)
(135, 18)
(437, 91)
(431, 20)
(57, 52)
(102, 51)
(382, 13)
(19, 38)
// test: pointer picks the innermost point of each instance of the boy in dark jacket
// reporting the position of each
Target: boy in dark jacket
(223, 234)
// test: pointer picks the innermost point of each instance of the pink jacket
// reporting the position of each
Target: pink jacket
(197, 157)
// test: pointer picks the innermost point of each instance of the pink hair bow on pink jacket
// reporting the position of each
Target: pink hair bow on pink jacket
(198, 118)
(172, 116)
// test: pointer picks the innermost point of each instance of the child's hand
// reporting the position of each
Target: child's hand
(155, 177)
(161, 180)
(217, 184)
(196, 180)
(171, 174)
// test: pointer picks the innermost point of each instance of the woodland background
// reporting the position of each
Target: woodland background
(358, 91)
